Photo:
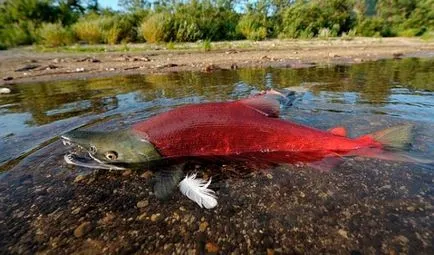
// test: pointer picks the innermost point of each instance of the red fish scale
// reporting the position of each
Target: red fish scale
(233, 129)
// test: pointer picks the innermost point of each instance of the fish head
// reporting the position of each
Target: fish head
(111, 148)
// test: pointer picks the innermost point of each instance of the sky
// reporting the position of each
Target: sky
(109, 3)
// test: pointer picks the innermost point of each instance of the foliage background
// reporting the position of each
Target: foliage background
(56, 23)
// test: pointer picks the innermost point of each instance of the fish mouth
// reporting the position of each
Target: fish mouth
(80, 156)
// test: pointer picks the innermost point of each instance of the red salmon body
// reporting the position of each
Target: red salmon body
(242, 129)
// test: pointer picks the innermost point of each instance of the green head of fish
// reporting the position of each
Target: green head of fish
(117, 147)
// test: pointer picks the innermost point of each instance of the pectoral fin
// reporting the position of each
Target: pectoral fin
(167, 179)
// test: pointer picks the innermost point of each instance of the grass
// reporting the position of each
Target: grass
(206, 45)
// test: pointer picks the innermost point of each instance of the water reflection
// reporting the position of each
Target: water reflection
(34, 113)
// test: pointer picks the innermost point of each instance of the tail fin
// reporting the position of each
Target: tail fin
(394, 140)
(397, 137)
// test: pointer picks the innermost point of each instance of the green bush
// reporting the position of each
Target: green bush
(307, 19)
(253, 27)
(88, 29)
(18, 34)
(156, 28)
(54, 35)
(374, 27)
(325, 33)
(428, 35)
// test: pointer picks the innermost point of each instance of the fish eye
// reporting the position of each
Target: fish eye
(111, 155)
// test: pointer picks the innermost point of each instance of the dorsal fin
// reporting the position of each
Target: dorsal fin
(340, 131)
(265, 104)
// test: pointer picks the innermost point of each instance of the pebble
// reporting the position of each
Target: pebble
(79, 69)
(79, 178)
(411, 209)
(5, 90)
(388, 186)
(142, 217)
(211, 247)
(210, 68)
(333, 55)
(397, 55)
(108, 218)
(76, 210)
(146, 175)
(83, 229)
(343, 233)
(155, 217)
(127, 172)
(142, 204)
(402, 239)
(302, 194)
(58, 60)
(203, 226)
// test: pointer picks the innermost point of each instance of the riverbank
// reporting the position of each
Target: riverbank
(32, 64)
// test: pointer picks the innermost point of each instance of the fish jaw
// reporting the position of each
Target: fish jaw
(107, 149)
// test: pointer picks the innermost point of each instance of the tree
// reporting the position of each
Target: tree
(133, 5)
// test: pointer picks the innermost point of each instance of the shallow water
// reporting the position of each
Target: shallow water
(364, 98)
(33, 114)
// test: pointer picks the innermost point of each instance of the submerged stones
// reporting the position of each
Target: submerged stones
(83, 229)
(142, 204)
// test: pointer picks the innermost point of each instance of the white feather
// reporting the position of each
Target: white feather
(197, 190)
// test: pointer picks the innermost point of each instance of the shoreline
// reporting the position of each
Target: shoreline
(24, 65)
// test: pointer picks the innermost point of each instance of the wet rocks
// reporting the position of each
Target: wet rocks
(58, 60)
(83, 229)
(166, 65)
(131, 68)
(51, 67)
(5, 90)
(397, 55)
(231, 51)
(210, 68)
(333, 55)
(89, 59)
(132, 58)
(27, 67)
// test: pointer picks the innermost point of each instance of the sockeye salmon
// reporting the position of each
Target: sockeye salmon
(247, 129)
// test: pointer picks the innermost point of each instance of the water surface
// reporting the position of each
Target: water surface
(35, 113)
